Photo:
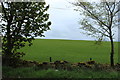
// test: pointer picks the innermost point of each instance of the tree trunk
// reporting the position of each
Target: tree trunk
(9, 20)
(112, 52)
(8, 51)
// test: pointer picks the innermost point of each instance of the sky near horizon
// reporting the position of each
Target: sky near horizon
(65, 21)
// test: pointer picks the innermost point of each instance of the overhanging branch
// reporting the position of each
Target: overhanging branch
(84, 7)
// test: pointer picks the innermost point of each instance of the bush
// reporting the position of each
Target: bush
(12, 60)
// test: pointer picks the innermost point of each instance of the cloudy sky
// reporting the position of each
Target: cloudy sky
(64, 21)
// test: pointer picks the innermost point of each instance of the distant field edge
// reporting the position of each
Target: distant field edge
(71, 39)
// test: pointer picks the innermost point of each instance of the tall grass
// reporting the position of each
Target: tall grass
(31, 72)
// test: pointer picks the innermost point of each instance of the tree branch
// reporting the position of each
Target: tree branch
(4, 11)
(118, 5)
(93, 14)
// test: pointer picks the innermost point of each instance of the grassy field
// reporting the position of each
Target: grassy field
(69, 50)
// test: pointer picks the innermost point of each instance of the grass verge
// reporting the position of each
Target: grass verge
(33, 72)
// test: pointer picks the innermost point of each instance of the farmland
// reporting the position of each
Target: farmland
(69, 50)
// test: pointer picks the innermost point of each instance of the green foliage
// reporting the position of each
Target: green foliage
(22, 21)
(30, 72)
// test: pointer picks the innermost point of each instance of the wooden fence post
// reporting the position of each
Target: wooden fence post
(50, 59)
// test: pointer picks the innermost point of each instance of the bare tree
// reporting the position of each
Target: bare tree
(100, 20)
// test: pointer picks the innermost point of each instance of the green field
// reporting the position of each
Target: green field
(69, 50)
